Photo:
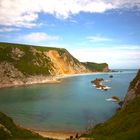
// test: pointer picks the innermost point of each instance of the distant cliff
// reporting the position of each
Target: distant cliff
(125, 124)
(96, 67)
(27, 64)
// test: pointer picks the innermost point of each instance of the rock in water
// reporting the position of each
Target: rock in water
(111, 76)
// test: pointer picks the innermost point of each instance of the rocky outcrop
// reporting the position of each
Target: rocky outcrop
(97, 82)
(17, 53)
(99, 85)
(133, 90)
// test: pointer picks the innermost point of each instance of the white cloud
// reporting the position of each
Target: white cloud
(98, 38)
(73, 21)
(39, 37)
(114, 56)
(24, 13)
(8, 29)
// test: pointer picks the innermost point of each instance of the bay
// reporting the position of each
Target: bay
(72, 105)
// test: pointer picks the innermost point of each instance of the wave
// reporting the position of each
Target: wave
(104, 88)
(107, 80)
(111, 99)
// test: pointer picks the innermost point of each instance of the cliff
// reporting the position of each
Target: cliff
(96, 67)
(124, 125)
(133, 90)
(9, 130)
(27, 64)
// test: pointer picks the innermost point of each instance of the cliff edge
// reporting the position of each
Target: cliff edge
(26, 64)
(96, 67)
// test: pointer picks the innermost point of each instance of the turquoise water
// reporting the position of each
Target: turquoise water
(72, 105)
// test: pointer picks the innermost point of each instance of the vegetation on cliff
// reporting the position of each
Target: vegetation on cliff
(36, 60)
(30, 60)
(124, 125)
(136, 82)
(97, 67)
(26, 64)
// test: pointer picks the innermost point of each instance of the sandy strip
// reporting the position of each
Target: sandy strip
(56, 135)
(81, 74)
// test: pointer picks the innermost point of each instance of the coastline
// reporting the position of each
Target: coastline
(79, 74)
(40, 79)
(32, 80)
(55, 134)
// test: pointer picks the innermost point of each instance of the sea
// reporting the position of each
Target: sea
(73, 105)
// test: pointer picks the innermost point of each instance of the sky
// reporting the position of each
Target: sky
(91, 30)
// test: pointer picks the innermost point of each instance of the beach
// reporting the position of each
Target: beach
(55, 135)
(40, 79)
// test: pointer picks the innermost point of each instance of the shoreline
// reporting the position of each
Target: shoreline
(80, 74)
(33, 80)
(60, 135)
(40, 79)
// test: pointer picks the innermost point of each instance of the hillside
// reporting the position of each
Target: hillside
(27, 64)
(124, 125)
(9, 130)
(34, 60)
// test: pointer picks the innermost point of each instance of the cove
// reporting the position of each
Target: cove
(72, 105)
